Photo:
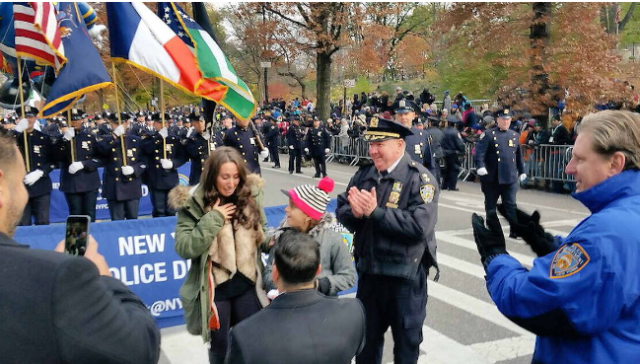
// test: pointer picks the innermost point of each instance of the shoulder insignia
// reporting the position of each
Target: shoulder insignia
(481, 136)
(425, 177)
(427, 192)
(569, 260)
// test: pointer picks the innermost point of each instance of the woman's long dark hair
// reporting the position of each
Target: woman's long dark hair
(242, 196)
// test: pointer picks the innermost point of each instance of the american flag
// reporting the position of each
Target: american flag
(37, 33)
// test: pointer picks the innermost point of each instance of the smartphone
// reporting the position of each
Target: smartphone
(77, 234)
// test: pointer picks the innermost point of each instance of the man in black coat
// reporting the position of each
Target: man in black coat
(452, 149)
(317, 145)
(57, 308)
(301, 325)
(272, 138)
(294, 141)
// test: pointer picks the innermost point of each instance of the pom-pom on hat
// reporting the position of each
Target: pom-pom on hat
(312, 200)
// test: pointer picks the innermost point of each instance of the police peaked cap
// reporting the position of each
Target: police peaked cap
(157, 117)
(28, 111)
(77, 114)
(384, 129)
(504, 113)
(405, 105)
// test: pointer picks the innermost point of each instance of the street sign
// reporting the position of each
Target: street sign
(265, 64)
(349, 83)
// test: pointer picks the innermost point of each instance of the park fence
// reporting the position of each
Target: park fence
(541, 162)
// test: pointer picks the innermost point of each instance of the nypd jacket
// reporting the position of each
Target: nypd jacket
(400, 233)
(582, 300)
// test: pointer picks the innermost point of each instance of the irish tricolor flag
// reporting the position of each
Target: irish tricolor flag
(211, 61)
(138, 37)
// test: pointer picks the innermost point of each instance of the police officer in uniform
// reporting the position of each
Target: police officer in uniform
(417, 145)
(317, 143)
(164, 155)
(452, 148)
(79, 179)
(243, 138)
(391, 206)
(272, 138)
(294, 141)
(122, 184)
(198, 145)
(500, 166)
(37, 180)
(434, 134)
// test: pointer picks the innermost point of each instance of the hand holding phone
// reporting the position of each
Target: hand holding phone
(92, 255)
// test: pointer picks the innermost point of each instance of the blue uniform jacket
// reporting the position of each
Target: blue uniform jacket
(499, 152)
(418, 147)
(317, 140)
(117, 186)
(244, 141)
(40, 157)
(272, 135)
(158, 178)
(583, 301)
(86, 179)
(294, 136)
(197, 149)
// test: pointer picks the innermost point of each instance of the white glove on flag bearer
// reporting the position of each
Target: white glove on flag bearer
(166, 163)
(482, 171)
(75, 167)
(33, 177)
(264, 154)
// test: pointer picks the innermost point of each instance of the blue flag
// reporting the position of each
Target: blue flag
(84, 71)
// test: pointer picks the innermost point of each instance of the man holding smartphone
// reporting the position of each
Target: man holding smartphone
(56, 308)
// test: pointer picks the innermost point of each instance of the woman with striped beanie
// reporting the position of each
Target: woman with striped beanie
(307, 212)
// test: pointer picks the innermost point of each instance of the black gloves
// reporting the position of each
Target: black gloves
(529, 229)
(490, 241)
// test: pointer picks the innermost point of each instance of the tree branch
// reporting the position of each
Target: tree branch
(627, 16)
(276, 12)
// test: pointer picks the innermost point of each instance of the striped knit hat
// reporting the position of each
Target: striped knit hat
(312, 200)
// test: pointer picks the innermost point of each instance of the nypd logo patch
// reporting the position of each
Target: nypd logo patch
(568, 261)
(427, 192)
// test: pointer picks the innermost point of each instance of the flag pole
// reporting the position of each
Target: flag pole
(164, 141)
(71, 142)
(115, 89)
(24, 133)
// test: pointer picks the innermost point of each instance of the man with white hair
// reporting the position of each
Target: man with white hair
(582, 295)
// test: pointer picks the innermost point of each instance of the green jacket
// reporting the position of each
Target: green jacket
(195, 230)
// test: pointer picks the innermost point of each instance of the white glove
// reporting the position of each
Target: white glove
(119, 130)
(37, 126)
(482, 171)
(69, 134)
(523, 177)
(306, 150)
(206, 135)
(264, 154)
(189, 132)
(291, 147)
(164, 133)
(75, 167)
(166, 163)
(327, 151)
(22, 125)
(33, 177)
(127, 170)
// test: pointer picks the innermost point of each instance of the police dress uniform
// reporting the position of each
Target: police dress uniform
(40, 158)
(295, 140)
(317, 141)
(197, 149)
(272, 138)
(160, 180)
(435, 135)
(244, 141)
(452, 149)
(581, 299)
(121, 191)
(499, 152)
(393, 248)
(80, 189)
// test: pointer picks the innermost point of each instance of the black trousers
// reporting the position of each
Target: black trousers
(320, 164)
(82, 203)
(119, 210)
(231, 312)
(452, 169)
(397, 303)
(159, 202)
(37, 207)
(275, 156)
(295, 155)
(435, 170)
(493, 190)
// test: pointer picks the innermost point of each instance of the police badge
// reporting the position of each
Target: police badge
(373, 123)
(427, 193)
(394, 196)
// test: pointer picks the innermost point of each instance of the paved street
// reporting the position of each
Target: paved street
(463, 325)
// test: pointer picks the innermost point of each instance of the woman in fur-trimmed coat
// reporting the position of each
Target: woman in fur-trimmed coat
(220, 227)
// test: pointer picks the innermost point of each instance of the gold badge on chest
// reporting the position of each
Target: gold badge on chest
(85, 145)
(394, 196)
(511, 143)
(169, 148)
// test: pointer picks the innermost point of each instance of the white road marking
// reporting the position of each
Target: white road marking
(469, 244)
(441, 349)
(505, 349)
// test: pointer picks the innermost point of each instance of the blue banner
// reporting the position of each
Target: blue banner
(59, 209)
(141, 254)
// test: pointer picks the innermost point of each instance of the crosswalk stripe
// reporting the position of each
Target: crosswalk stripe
(461, 265)
(505, 349)
(441, 349)
(468, 244)
(473, 306)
